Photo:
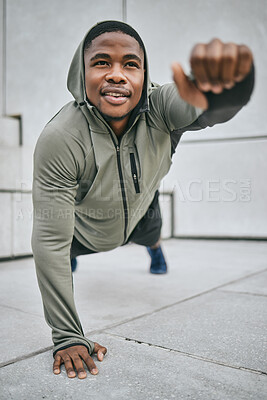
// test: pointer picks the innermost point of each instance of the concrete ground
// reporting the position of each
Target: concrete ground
(196, 333)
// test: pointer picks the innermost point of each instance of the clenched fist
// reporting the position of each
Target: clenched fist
(216, 66)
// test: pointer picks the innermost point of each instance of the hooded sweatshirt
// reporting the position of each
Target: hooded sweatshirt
(89, 185)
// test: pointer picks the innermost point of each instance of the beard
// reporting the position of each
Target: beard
(109, 118)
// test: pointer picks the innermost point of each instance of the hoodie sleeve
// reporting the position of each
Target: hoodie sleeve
(56, 172)
(172, 112)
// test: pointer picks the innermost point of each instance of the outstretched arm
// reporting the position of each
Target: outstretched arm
(221, 84)
(56, 174)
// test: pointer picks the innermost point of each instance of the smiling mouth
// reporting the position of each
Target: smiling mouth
(115, 97)
(115, 94)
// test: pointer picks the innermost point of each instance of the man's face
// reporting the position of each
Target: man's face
(114, 74)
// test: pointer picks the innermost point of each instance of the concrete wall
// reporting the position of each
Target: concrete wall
(41, 38)
(218, 175)
(39, 52)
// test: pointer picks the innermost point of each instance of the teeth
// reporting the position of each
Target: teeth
(115, 94)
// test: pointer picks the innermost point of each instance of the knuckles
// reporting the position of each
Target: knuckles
(221, 63)
(72, 352)
(198, 53)
(76, 357)
(228, 59)
(216, 50)
(245, 53)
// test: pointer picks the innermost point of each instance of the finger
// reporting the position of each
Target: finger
(79, 366)
(99, 347)
(68, 366)
(229, 64)
(187, 89)
(90, 364)
(101, 351)
(213, 61)
(56, 365)
(244, 62)
(197, 58)
(180, 80)
(100, 355)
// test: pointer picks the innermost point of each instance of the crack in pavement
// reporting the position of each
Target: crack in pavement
(181, 301)
(104, 329)
(247, 293)
(191, 355)
(18, 309)
(25, 357)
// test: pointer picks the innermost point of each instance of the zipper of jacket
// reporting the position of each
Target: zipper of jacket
(134, 173)
(123, 192)
(117, 147)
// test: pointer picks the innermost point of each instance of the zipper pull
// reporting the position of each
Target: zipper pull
(134, 173)
(118, 149)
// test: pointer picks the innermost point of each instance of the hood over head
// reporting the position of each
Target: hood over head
(76, 79)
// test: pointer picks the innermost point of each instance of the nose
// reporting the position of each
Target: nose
(115, 74)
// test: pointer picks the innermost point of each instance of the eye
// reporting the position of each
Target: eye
(101, 62)
(132, 64)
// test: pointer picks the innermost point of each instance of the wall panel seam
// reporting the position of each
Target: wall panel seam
(124, 10)
(3, 111)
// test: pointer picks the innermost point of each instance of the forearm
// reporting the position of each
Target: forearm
(221, 107)
(52, 259)
(54, 190)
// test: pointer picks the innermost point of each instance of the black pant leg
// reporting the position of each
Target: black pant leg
(147, 231)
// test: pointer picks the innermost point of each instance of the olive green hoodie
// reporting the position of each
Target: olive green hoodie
(89, 185)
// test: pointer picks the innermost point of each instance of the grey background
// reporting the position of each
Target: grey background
(218, 175)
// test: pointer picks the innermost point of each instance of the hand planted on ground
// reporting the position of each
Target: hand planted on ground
(73, 357)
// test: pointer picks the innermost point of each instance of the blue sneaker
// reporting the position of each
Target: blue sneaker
(158, 263)
(74, 263)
